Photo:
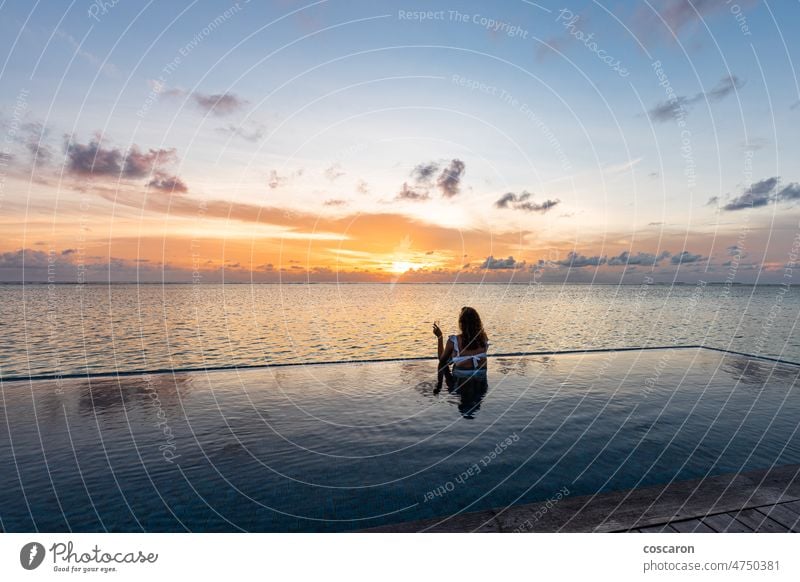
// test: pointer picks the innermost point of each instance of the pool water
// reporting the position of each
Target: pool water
(346, 447)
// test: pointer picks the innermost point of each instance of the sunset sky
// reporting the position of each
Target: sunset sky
(364, 141)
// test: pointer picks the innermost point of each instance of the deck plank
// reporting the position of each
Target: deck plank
(793, 505)
(782, 515)
(660, 528)
(630, 509)
(759, 522)
(692, 526)
(725, 523)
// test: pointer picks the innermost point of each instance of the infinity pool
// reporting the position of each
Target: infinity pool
(342, 447)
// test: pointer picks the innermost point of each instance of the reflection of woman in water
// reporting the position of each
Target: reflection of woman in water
(467, 352)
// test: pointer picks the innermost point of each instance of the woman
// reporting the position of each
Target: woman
(467, 352)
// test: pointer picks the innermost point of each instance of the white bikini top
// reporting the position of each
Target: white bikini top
(458, 358)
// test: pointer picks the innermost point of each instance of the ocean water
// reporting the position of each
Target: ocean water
(72, 329)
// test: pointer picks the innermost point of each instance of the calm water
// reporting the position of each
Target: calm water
(74, 329)
(342, 447)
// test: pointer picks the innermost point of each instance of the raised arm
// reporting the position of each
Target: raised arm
(440, 348)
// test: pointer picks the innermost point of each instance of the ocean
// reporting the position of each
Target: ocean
(79, 329)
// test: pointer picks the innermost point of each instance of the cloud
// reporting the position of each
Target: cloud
(523, 202)
(219, 104)
(335, 202)
(409, 193)
(713, 201)
(167, 183)
(93, 159)
(494, 264)
(424, 173)
(449, 181)
(677, 15)
(334, 171)
(422, 178)
(32, 135)
(276, 181)
(686, 257)
(735, 251)
(640, 258)
(24, 258)
(789, 192)
(362, 187)
(253, 135)
(577, 260)
(723, 88)
(668, 110)
(757, 195)
(679, 105)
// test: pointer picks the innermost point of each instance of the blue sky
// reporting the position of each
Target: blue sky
(326, 109)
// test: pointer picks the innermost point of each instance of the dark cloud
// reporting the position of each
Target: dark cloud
(167, 183)
(625, 258)
(577, 260)
(509, 263)
(677, 107)
(219, 104)
(723, 88)
(757, 195)
(24, 258)
(686, 257)
(789, 192)
(713, 201)
(668, 110)
(409, 193)
(735, 251)
(523, 202)
(93, 159)
(505, 200)
(424, 173)
(449, 181)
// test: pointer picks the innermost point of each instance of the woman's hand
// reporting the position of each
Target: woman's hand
(436, 331)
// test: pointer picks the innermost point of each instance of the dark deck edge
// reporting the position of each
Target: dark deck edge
(122, 374)
(626, 510)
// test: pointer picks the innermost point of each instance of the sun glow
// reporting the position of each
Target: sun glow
(402, 266)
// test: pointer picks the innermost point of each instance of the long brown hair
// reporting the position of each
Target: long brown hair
(472, 332)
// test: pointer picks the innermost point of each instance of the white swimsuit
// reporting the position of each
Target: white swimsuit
(458, 358)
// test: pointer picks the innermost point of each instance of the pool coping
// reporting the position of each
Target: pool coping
(234, 368)
(626, 510)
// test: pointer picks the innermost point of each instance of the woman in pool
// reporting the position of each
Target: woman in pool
(467, 352)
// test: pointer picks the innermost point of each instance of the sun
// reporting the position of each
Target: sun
(402, 266)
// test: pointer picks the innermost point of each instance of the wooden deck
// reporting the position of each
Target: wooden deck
(756, 501)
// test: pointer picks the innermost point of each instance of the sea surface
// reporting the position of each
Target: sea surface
(78, 329)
